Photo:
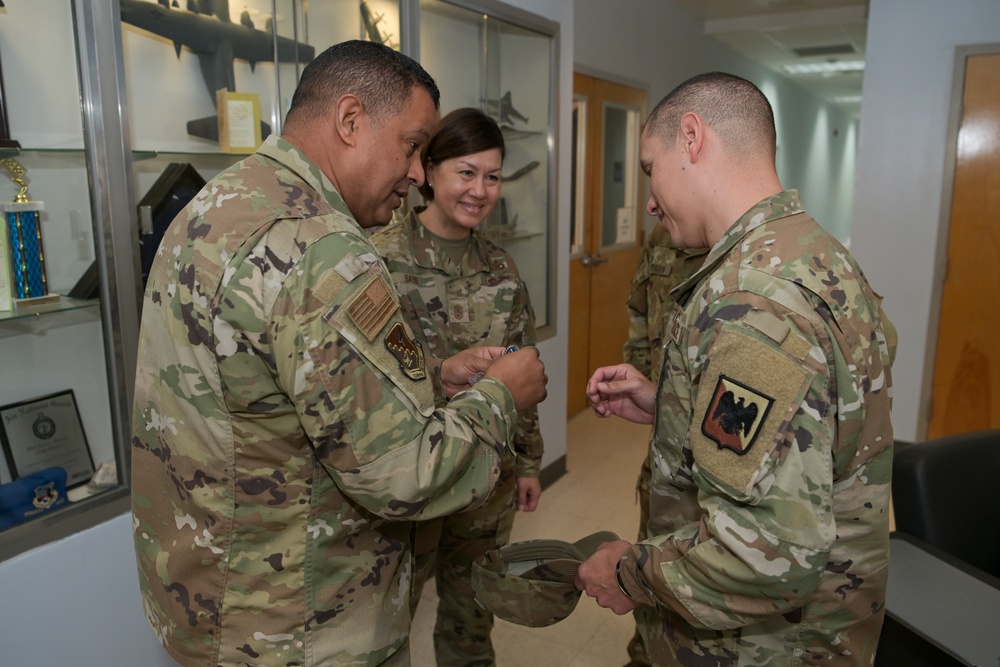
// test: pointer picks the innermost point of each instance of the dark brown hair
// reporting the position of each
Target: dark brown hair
(733, 107)
(462, 132)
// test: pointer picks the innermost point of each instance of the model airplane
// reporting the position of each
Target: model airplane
(205, 28)
(521, 172)
(371, 22)
(504, 110)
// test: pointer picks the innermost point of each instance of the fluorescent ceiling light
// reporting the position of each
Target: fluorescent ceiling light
(825, 67)
(847, 99)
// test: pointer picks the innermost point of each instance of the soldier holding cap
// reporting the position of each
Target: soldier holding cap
(772, 444)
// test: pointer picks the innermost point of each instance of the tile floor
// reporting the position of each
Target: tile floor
(596, 493)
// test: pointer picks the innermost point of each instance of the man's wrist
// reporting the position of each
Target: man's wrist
(618, 578)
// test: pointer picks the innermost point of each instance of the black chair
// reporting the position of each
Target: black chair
(946, 492)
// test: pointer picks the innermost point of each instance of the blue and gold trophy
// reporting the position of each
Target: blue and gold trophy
(22, 223)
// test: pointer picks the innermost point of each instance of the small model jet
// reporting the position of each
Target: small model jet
(371, 22)
(507, 110)
(521, 172)
(207, 30)
(504, 111)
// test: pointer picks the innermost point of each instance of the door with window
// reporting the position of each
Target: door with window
(607, 214)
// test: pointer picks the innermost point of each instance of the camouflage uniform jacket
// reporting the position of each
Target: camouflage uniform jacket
(452, 308)
(661, 268)
(284, 430)
(771, 457)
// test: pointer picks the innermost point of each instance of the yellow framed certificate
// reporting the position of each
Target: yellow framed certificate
(239, 121)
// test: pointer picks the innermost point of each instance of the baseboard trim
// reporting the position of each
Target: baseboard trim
(551, 473)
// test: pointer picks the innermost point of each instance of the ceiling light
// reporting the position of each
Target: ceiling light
(825, 67)
(847, 99)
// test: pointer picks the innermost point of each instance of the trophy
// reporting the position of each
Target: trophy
(22, 226)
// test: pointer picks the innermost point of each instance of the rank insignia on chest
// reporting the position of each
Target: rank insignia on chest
(407, 351)
(459, 311)
(735, 415)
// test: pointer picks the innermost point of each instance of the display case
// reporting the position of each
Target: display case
(180, 58)
(67, 362)
(504, 61)
(122, 107)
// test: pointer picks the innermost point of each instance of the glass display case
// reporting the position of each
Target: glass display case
(253, 51)
(121, 111)
(503, 61)
(66, 355)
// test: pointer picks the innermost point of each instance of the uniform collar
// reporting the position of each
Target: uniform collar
(429, 255)
(782, 205)
(296, 161)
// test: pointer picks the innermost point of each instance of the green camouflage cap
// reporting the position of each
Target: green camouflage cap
(533, 583)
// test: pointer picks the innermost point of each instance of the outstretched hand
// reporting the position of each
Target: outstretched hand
(624, 392)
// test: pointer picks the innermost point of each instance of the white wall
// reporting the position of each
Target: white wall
(657, 45)
(76, 602)
(899, 197)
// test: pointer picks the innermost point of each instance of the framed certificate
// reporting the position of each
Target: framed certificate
(239, 121)
(44, 432)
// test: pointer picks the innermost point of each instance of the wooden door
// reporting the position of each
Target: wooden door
(608, 209)
(966, 388)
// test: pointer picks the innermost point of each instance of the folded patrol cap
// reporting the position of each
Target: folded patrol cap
(533, 583)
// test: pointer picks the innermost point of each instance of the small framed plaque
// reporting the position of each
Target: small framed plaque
(44, 432)
(239, 121)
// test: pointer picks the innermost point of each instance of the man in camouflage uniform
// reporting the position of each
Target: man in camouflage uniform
(662, 266)
(284, 429)
(772, 445)
(479, 301)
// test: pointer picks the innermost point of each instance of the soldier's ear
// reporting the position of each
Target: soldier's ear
(691, 134)
(348, 113)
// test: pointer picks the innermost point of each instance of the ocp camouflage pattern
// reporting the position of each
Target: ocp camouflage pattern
(451, 307)
(279, 450)
(662, 266)
(769, 546)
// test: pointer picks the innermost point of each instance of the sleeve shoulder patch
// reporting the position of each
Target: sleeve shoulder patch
(372, 307)
(747, 395)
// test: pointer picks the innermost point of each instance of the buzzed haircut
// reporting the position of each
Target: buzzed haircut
(382, 78)
(733, 107)
(464, 131)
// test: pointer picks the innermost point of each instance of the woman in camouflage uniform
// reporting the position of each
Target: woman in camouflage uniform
(459, 289)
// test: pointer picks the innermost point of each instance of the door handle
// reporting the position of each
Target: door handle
(593, 260)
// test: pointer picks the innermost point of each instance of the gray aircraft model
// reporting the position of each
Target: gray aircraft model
(521, 172)
(206, 29)
(371, 22)
(503, 110)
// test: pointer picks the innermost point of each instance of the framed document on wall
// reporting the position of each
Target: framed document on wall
(43, 432)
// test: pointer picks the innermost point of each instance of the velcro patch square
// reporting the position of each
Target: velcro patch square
(747, 395)
(372, 308)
